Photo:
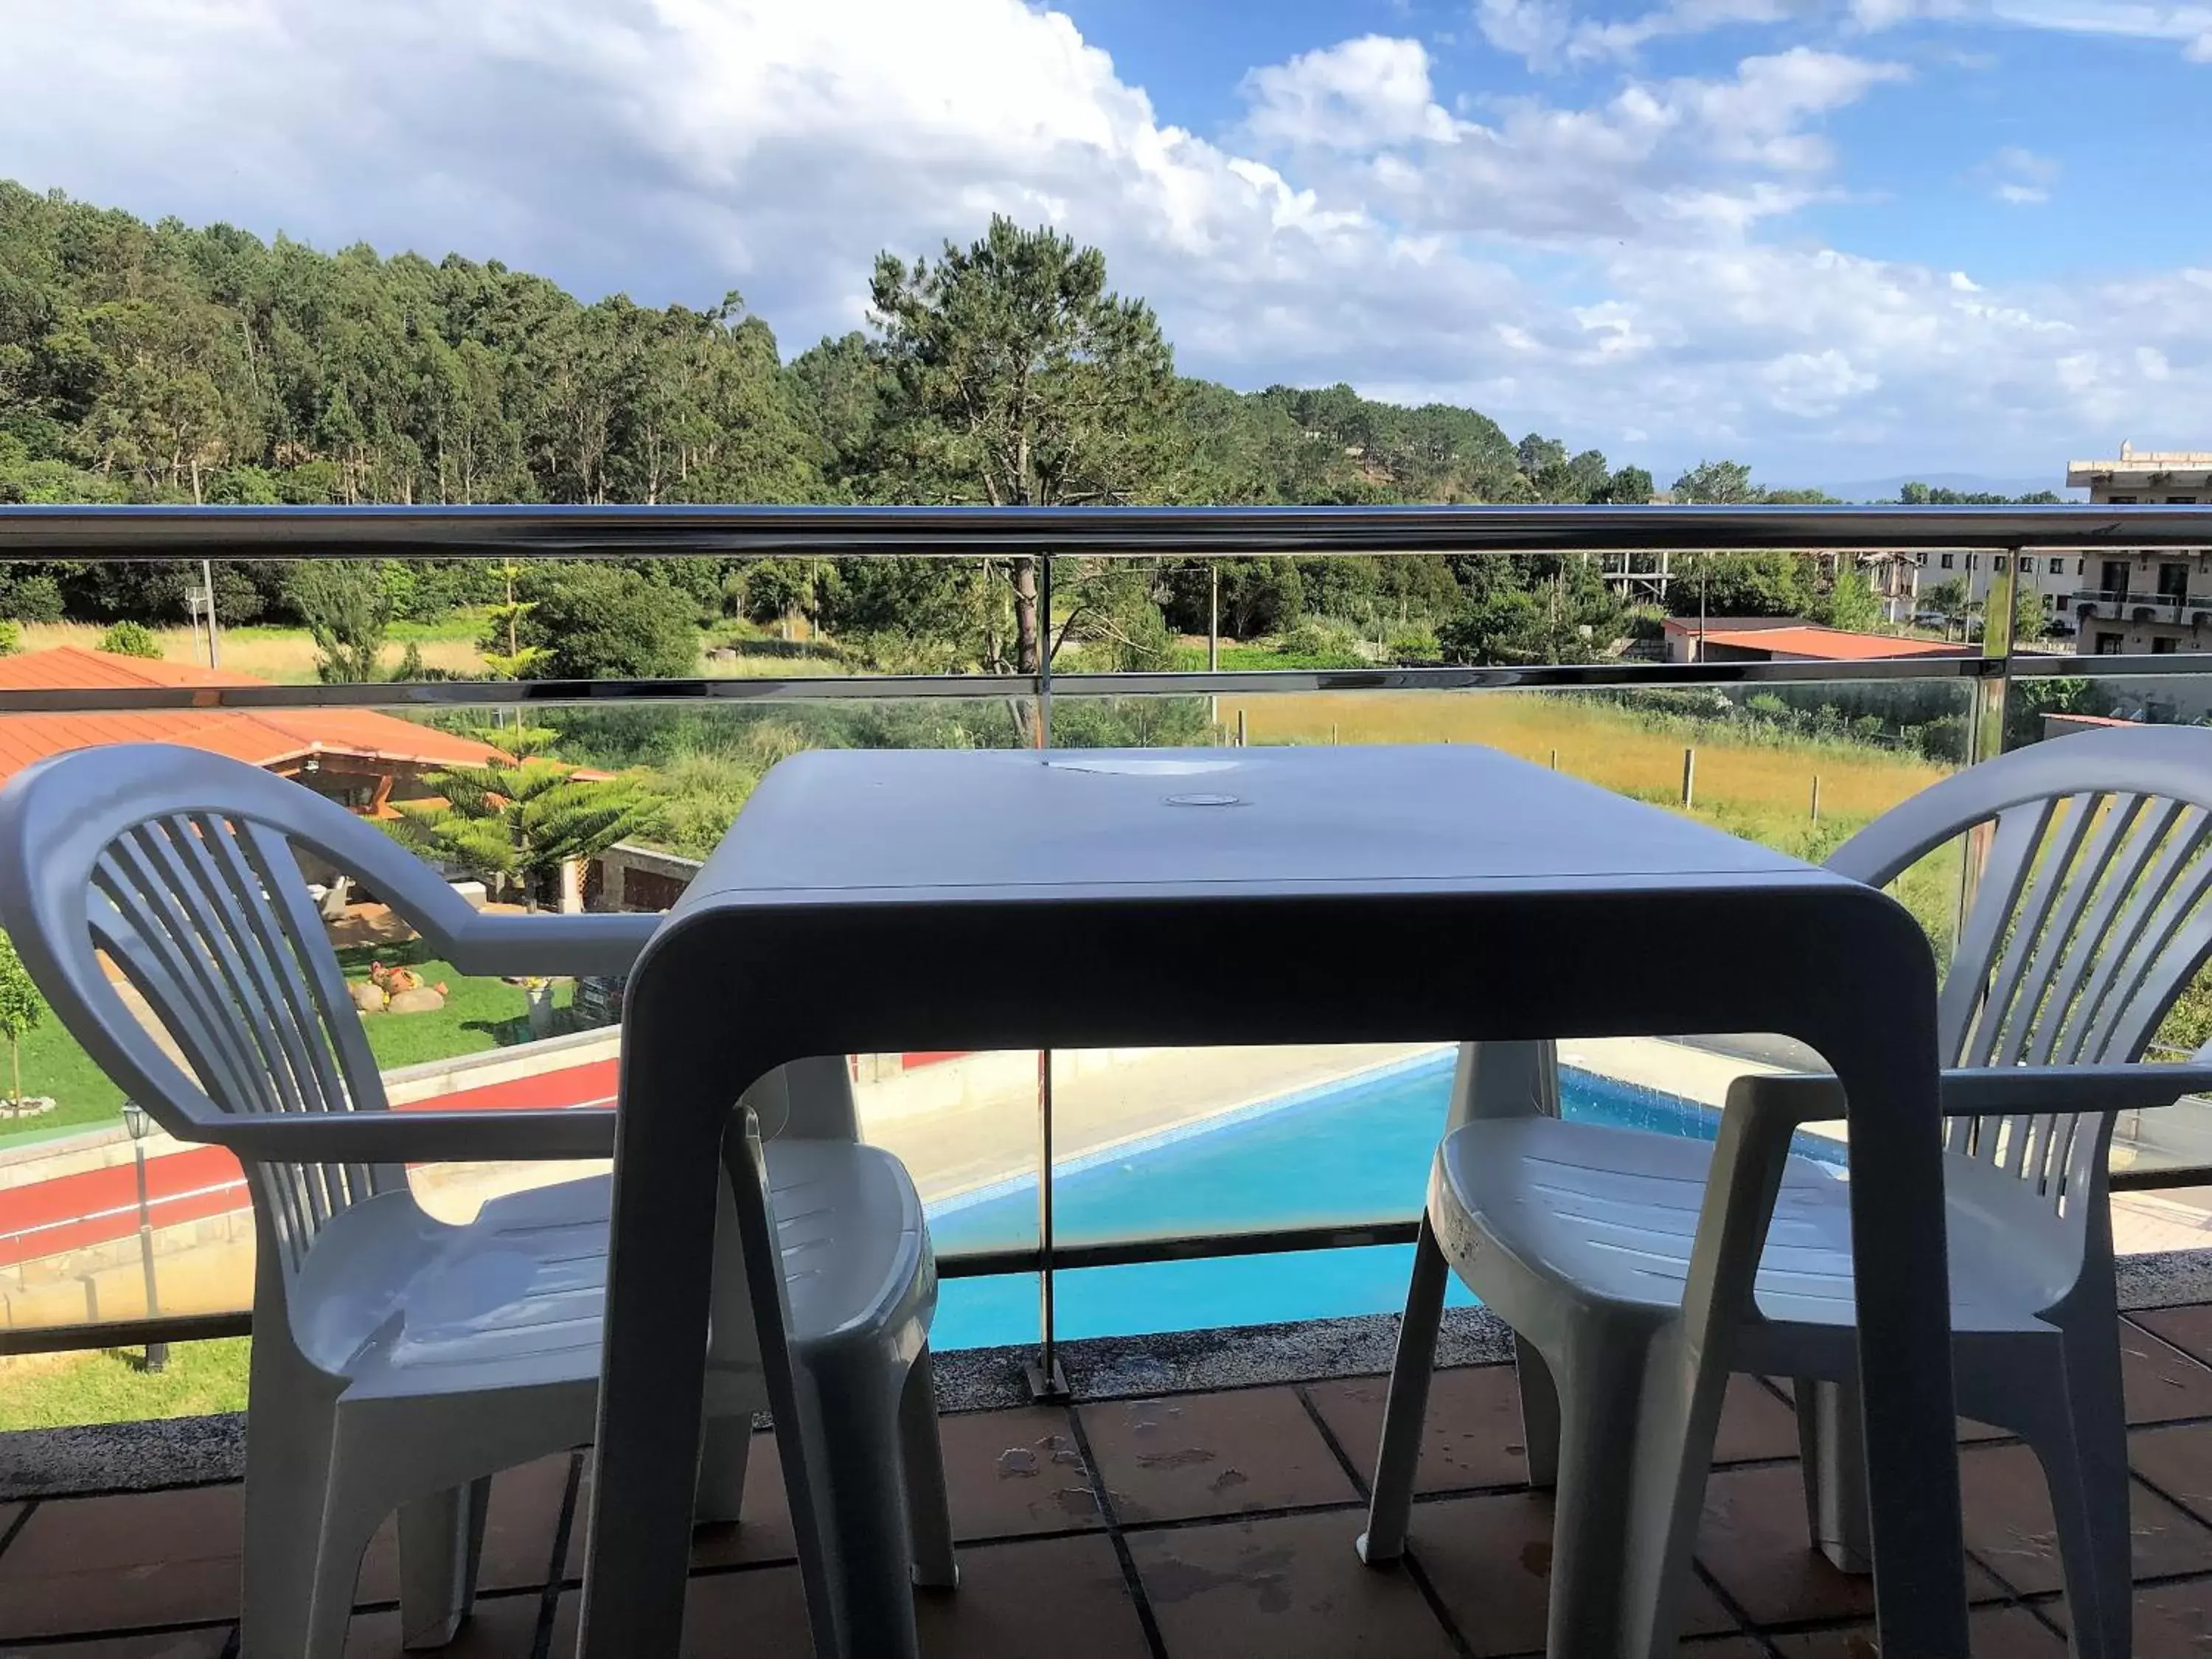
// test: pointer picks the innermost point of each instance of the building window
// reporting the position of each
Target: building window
(2120, 501)
(1997, 562)
(1947, 560)
(2081, 567)
(2058, 567)
(2181, 501)
(2108, 645)
(1970, 558)
(1920, 558)
(2163, 647)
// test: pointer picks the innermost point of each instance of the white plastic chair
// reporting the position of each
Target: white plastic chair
(1638, 1270)
(398, 1361)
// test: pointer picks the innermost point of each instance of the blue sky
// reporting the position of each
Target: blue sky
(1840, 238)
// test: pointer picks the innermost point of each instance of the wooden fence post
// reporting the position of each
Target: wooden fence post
(1689, 778)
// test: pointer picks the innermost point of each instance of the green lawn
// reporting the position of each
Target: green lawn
(112, 1385)
(479, 1014)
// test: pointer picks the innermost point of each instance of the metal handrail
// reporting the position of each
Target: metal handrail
(558, 532)
(565, 532)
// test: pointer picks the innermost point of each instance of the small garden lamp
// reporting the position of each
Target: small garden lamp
(136, 1119)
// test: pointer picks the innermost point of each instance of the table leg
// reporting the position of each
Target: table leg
(659, 1275)
(1904, 1345)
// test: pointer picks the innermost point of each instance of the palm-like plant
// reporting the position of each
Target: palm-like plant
(515, 821)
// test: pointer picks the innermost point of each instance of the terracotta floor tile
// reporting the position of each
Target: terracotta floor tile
(1052, 1598)
(1290, 1587)
(2178, 1462)
(1968, 1429)
(2174, 1621)
(1490, 1560)
(2189, 1329)
(518, 1547)
(1753, 1425)
(2161, 1384)
(170, 1645)
(1753, 1541)
(1187, 1455)
(2008, 1524)
(1471, 1436)
(501, 1627)
(1015, 1472)
(2009, 1632)
(81, 1564)
(726, 1615)
(764, 1533)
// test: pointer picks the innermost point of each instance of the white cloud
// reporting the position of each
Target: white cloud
(1369, 92)
(2021, 177)
(1534, 29)
(1592, 269)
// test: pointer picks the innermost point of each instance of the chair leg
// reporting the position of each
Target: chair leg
(348, 1523)
(1389, 1510)
(1833, 1448)
(858, 1489)
(1540, 1413)
(289, 1430)
(2084, 1452)
(1600, 1385)
(441, 1544)
(928, 1502)
(724, 1448)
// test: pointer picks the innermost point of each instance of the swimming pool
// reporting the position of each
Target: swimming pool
(1355, 1151)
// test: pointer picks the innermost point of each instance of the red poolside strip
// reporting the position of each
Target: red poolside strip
(93, 1207)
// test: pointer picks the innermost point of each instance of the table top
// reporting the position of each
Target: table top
(888, 825)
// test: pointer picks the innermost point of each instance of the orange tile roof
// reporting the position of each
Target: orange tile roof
(259, 737)
(1830, 644)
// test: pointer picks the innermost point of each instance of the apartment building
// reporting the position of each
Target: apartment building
(1904, 583)
(2152, 601)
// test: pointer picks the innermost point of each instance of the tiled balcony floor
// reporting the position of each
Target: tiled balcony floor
(1196, 1526)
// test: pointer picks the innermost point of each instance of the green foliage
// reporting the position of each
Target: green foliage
(11, 636)
(130, 639)
(1849, 601)
(1947, 599)
(1717, 483)
(347, 605)
(505, 655)
(515, 822)
(2030, 620)
(21, 1010)
(1741, 585)
(591, 621)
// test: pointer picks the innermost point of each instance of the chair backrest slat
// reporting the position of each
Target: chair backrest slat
(2077, 869)
(2005, 872)
(2141, 875)
(154, 954)
(208, 917)
(2092, 915)
(2052, 864)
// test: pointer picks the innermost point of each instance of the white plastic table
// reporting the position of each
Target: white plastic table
(873, 902)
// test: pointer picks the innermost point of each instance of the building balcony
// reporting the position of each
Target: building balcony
(2106, 604)
(1078, 1537)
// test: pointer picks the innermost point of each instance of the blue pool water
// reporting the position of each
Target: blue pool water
(1356, 1152)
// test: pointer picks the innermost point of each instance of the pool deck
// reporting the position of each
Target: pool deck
(972, 1123)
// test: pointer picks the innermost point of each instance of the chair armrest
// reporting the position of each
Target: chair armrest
(1797, 1097)
(548, 943)
(2001, 1091)
(417, 1137)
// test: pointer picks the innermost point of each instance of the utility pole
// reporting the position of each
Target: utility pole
(207, 586)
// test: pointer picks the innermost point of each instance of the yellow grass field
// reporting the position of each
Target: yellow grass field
(1604, 744)
(285, 655)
